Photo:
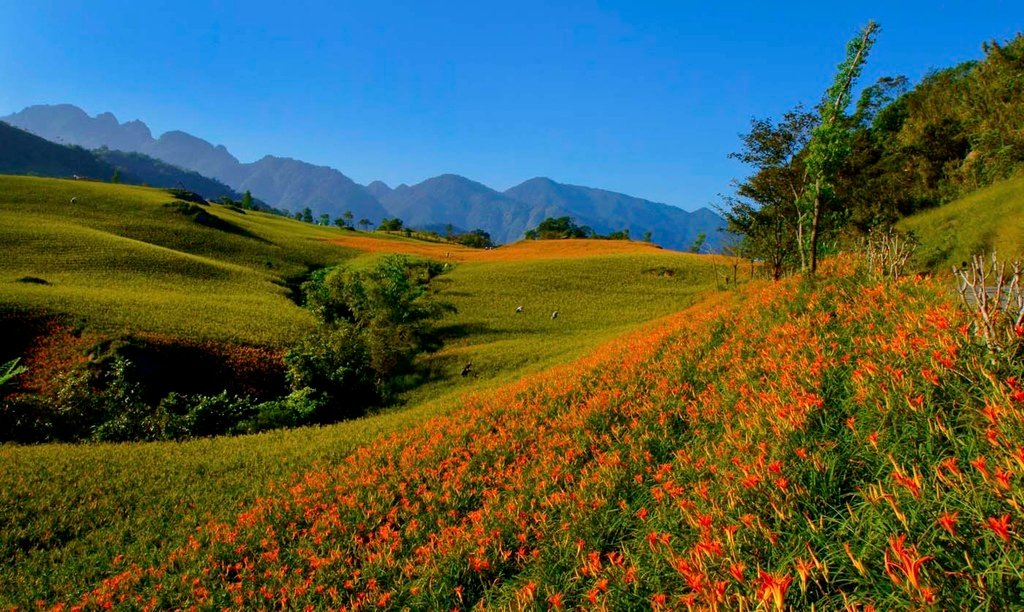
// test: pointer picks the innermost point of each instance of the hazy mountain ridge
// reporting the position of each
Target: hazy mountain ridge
(447, 199)
(608, 211)
(466, 203)
(22, 152)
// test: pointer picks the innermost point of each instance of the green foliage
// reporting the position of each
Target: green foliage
(390, 225)
(247, 203)
(698, 243)
(307, 215)
(765, 211)
(9, 370)
(959, 129)
(829, 146)
(373, 323)
(325, 219)
(562, 227)
(476, 239)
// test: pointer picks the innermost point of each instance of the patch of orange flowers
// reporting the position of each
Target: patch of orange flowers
(780, 433)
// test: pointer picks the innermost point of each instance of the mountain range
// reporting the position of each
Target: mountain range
(446, 200)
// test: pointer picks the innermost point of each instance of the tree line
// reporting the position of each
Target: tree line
(845, 167)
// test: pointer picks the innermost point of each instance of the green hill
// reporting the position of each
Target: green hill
(987, 219)
(25, 153)
(132, 260)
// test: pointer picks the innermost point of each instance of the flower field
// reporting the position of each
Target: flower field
(844, 444)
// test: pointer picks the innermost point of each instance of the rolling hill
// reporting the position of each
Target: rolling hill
(991, 218)
(781, 445)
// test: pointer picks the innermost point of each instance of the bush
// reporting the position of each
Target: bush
(334, 362)
(373, 323)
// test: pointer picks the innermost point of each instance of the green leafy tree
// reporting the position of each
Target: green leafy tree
(348, 216)
(307, 215)
(647, 236)
(325, 219)
(390, 225)
(698, 242)
(247, 203)
(765, 211)
(560, 227)
(116, 178)
(365, 223)
(477, 239)
(372, 325)
(830, 140)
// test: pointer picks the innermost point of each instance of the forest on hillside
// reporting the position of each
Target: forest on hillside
(897, 150)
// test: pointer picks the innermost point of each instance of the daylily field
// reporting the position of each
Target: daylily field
(839, 444)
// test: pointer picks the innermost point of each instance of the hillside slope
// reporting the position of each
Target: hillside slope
(135, 259)
(787, 446)
(25, 153)
(987, 219)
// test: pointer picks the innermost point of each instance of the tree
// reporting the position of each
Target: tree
(307, 215)
(647, 236)
(765, 210)
(561, 227)
(390, 225)
(372, 324)
(347, 215)
(325, 219)
(698, 242)
(117, 176)
(340, 223)
(830, 140)
(477, 239)
(247, 200)
(298, 216)
(365, 223)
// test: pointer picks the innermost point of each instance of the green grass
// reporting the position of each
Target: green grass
(597, 298)
(121, 261)
(980, 222)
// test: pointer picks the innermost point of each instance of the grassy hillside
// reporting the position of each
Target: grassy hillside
(133, 259)
(790, 445)
(987, 219)
(121, 260)
(25, 153)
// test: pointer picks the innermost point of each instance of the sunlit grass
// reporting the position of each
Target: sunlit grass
(987, 219)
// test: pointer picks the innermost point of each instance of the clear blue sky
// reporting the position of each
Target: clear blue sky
(646, 98)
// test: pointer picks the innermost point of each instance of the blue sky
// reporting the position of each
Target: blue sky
(647, 98)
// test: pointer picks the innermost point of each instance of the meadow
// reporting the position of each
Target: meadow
(985, 220)
(67, 508)
(844, 444)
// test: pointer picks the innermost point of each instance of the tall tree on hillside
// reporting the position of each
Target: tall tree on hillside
(347, 215)
(365, 223)
(247, 200)
(307, 215)
(830, 140)
(765, 210)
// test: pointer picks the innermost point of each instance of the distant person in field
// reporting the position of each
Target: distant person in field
(467, 369)
(554, 315)
(519, 310)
